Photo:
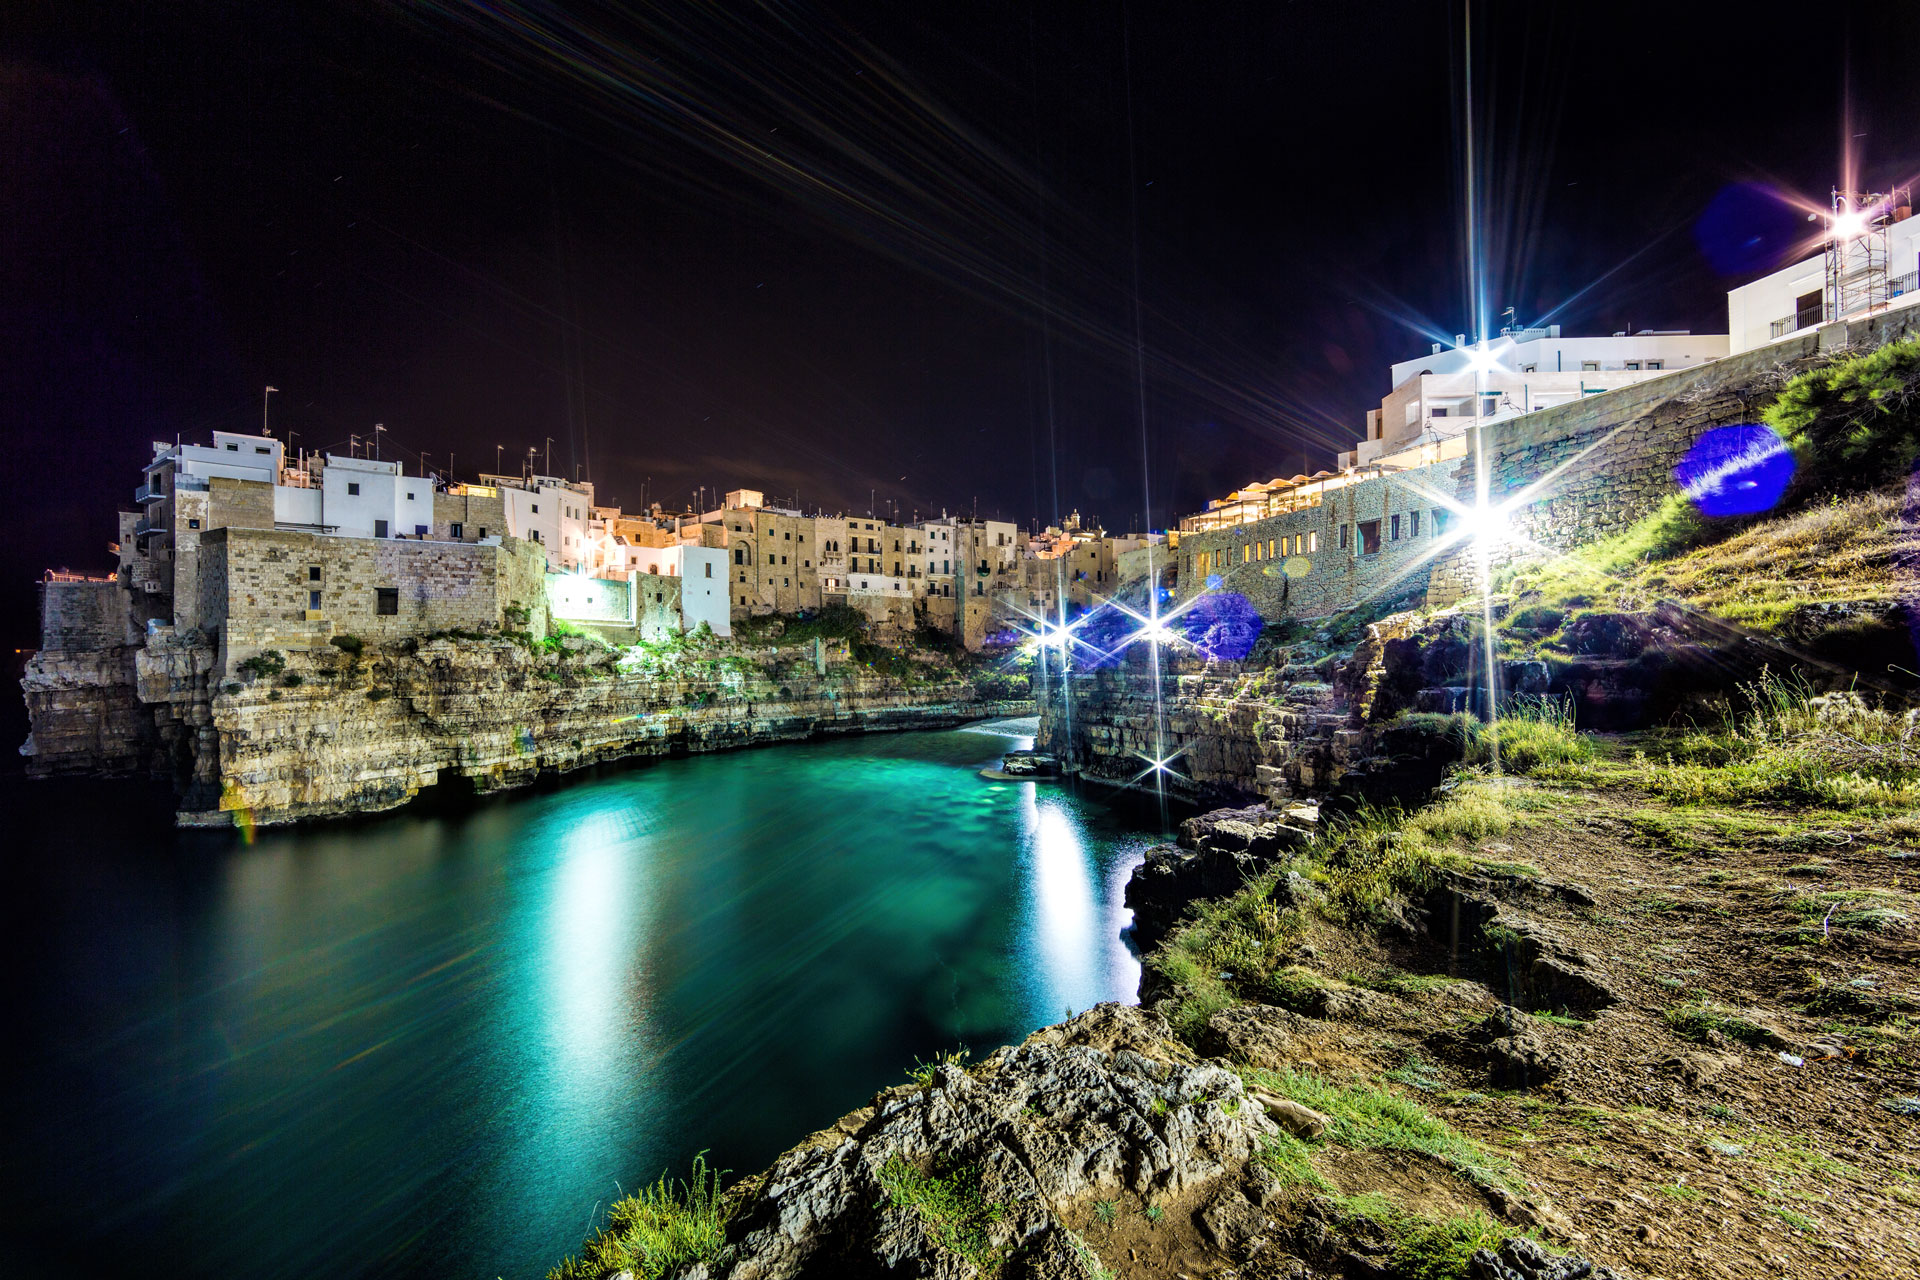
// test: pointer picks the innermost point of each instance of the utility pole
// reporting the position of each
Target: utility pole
(378, 429)
(497, 451)
(265, 398)
(547, 465)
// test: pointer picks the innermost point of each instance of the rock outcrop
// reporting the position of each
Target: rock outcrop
(1102, 1105)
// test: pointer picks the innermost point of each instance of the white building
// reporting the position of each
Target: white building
(703, 585)
(1797, 298)
(1434, 399)
(553, 512)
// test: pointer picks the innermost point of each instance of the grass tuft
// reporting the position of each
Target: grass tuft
(657, 1230)
(957, 1217)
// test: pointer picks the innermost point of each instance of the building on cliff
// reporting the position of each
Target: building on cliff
(1869, 262)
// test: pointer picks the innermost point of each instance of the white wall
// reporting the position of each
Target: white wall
(1753, 308)
(704, 589)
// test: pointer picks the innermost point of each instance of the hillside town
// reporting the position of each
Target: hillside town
(207, 517)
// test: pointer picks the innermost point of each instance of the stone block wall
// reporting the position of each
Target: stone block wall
(478, 517)
(254, 586)
(1607, 461)
(78, 616)
(1293, 564)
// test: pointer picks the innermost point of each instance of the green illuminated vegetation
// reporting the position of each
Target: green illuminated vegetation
(663, 1227)
(956, 1215)
(1424, 1248)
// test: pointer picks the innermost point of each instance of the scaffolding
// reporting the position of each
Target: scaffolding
(1859, 254)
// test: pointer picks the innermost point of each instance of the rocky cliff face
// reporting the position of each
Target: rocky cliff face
(332, 732)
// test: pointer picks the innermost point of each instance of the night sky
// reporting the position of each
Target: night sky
(834, 250)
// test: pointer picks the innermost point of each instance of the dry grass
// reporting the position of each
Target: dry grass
(1845, 550)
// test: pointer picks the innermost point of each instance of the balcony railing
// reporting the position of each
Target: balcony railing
(147, 493)
(1899, 286)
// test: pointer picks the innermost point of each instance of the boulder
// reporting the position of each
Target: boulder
(1038, 1127)
(1259, 1035)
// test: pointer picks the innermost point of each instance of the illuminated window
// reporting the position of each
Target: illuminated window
(1269, 548)
(1246, 552)
(1313, 541)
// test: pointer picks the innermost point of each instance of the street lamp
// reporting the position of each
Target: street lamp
(264, 400)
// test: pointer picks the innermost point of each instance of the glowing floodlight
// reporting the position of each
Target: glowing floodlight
(1482, 359)
(1484, 526)
(1156, 632)
(1851, 225)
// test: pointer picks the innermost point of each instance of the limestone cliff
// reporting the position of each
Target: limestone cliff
(328, 731)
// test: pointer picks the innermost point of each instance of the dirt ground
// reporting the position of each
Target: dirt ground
(1747, 1104)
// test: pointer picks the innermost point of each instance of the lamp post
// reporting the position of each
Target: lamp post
(379, 429)
(265, 398)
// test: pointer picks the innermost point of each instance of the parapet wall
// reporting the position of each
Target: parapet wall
(255, 586)
(85, 616)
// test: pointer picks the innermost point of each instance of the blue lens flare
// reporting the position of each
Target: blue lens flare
(1748, 229)
(1736, 471)
(1222, 627)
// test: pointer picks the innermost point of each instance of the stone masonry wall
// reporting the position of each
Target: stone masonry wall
(1618, 450)
(255, 584)
(84, 615)
(1322, 577)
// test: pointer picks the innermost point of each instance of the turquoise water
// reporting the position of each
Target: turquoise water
(436, 1041)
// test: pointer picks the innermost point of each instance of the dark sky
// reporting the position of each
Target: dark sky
(833, 249)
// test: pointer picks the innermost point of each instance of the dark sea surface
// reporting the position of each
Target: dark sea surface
(436, 1042)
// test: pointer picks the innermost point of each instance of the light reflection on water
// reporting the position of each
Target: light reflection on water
(435, 1042)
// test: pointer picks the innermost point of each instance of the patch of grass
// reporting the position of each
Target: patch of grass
(1702, 1018)
(1798, 1221)
(1532, 733)
(1291, 1161)
(957, 1216)
(1425, 1248)
(921, 1073)
(1104, 1210)
(1369, 1118)
(1243, 936)
(1678, 1191)
(660, 1229)
(1153, 1213)
(1561, 1020)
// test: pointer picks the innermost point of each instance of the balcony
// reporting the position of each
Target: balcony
(148, 493)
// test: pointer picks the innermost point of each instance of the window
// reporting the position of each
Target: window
(783, 559)
(386, 601)
(739, 556)
(313, 600)
(1269, 548)
(233, 448)
(1395, 534)
(536, 508)
(1246, 552)
(1529, 368)
(1633, 364)
(1413, 524)
(379, 528)
(1369, 537)
(1655, 364)
(1589, 366)
(193, 524)
(1344, 529)
(709, 569)
(769, 557)
(482, 532)
(419, 531)
(1313, 542)
(456, 531)
(1439, 411)
(353, 488)
(806, 564)
(261, 448)
(1439, 521)
(1489, 405)
(409, 495)
(313, 573)
(1809, 309)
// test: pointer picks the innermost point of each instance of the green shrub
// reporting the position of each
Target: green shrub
(661, 1229)
(264, 664)
(1426, 1248)
(950, 1204)
(292, 680)
(1854, 423)
(348, 644)
(377, 694)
